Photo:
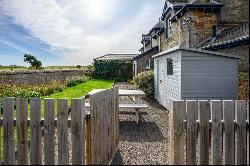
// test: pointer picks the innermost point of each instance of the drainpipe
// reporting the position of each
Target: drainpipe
(179, 21)
(159, 44)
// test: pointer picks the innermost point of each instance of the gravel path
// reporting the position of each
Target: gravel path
(146, 142)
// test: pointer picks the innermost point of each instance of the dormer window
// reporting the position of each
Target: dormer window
(168, 27)
(147, 63)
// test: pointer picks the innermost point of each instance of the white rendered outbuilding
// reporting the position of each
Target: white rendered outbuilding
(194, 74)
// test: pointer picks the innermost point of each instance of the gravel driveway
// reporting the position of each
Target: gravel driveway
(146, 142)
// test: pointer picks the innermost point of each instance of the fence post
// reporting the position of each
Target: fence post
(36, 132)
(216, 138)
(22, 131)
(204, 112)
(228, 132)
(76, 131)
(49, 132)
(177, 126)
(192, 111)
(248, 133)
(240, 138)
(62, 131)
(0, 131)
(8, 126)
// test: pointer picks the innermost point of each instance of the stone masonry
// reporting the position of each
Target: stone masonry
(39, 77)
(200, 29)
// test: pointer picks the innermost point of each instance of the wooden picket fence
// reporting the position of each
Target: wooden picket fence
(209, 132)
(94, 132)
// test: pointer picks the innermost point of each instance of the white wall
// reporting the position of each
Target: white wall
(169, 87)
(196, 76)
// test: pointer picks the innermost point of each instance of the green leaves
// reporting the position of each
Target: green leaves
(32, 60)
(145, 82)
(113, 69)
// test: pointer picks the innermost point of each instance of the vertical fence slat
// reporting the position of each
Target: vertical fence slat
(216, 112)
(110, 117)
(1, 102)
(116, 123)
(83, 123)
(8, 136)
(228, 132)
(49, 132)
(104, 130)
(177, 125)
(192, 110)
(62, 131)
(240, 138)
(204, 112)
(248, 133)
(102, 138)
(36, 132)
(22, 131)
(93, 130)
(76, 129)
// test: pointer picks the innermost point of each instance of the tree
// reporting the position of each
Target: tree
(32, 61)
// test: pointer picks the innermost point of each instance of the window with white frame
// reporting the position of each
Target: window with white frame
(168, 27)
(147, 63)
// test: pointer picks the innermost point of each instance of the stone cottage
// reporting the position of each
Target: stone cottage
(144, 61)
(221, 25)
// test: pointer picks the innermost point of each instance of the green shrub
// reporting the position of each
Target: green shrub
(77, 81)
(117, 70)
(145, 82)
(71, 83)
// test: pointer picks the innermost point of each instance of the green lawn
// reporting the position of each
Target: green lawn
(82, 89)
(77, 91)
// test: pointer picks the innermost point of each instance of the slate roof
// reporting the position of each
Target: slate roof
(155, 49)
(197, 4)
(177, 48)
(146, 39)
(126, 57)
(226, 38)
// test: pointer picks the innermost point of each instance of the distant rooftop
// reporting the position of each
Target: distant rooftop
(126, 57)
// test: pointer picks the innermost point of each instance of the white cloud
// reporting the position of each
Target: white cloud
(85, 29)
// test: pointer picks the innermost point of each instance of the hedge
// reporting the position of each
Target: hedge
(113, 69)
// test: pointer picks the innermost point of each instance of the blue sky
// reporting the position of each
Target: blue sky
(70, 32)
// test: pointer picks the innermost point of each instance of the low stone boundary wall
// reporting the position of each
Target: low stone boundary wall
(38, 77)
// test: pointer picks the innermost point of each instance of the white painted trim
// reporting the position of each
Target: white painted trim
(195, 50)
(149, 65)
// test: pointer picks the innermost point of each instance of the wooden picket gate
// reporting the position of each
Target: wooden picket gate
(23, 138)
(209, 132)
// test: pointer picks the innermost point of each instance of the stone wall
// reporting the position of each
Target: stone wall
(243, 53)
(141, 62)
(39, 77)
(234, 10)
(200, 29)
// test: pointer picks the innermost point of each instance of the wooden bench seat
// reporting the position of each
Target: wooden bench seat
(127, 106)
(134, 106)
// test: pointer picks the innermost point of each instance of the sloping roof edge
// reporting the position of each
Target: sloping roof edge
(184, 9)
(195, 50)
(131, 56)
(145, 53)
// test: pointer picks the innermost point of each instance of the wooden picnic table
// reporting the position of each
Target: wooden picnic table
(134, 95)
